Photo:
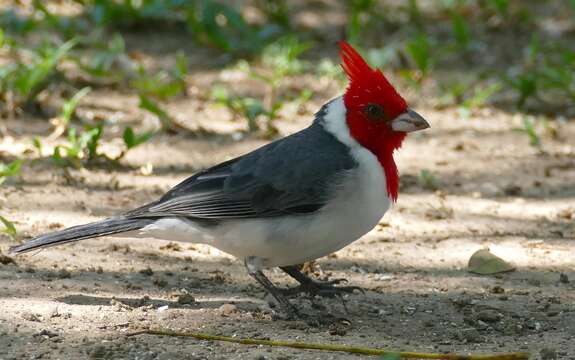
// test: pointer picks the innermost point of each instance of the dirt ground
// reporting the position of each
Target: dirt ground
(493, 190)
(80, 300)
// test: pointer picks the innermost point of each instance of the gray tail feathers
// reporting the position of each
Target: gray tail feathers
(81, 232)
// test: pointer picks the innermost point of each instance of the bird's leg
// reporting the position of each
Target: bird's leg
(259, 276)
(313, 287)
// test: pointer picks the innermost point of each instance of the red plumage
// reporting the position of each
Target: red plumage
(369, 86)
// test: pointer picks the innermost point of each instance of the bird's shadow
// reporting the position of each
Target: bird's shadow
(154, 303)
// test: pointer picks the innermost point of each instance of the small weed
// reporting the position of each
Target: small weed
(419, 51)
(529, 128)
(68, 109)
(37, 144)
(107, 58)
(481, 95)
(28, 78)
(460, 30)
(163, 84)
(80, 146)
(414, 13)
(160, 85)
(526, 85)
(249, 108)
(452, 93)
(132, 140)
(11, 169)
(9, 228)
(546, 74)
(277, 11)
(360, 13)
(13, 21)
(282, 57)
(427, 180)
(501, 7)
(167, 122)
(220, 25)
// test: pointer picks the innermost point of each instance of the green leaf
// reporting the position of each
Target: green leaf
(481, 95)
(131, 139)
(526, 84)
(148, 104)
(358, 9)
(460, 30)
(37, 144)
(90, 140)
(428, 180)
(30, 80)
(220, 94)
(502, 6)
(419, 49)
(181, 65)
(211, 27)
(9, 228)
(484, 262)
(283, 56)
(161, 85)
(70, 106)
(11, 169)
(529, 128)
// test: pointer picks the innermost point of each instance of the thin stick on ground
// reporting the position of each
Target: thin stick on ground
(333, 347)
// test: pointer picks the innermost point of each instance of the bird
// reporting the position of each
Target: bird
(293, 200)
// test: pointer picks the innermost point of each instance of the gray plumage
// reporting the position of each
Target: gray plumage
(87, 231)
(289, 176)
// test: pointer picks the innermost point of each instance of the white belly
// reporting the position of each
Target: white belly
(361, 202)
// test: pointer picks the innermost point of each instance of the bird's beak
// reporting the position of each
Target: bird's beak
(409, 121)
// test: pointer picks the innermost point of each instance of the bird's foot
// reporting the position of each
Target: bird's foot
(322, 288)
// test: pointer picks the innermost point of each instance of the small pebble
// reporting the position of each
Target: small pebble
(489, 316)
(227, 309)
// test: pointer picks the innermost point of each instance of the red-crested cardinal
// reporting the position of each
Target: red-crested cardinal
(293, 200)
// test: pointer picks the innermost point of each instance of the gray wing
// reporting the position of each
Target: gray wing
(289, 176)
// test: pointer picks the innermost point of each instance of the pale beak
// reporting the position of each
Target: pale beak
(409, 121)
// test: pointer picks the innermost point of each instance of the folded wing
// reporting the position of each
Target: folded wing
(294, 175)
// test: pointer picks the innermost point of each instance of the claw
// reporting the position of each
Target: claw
(315, 288)
(338, 281)
(327, 289)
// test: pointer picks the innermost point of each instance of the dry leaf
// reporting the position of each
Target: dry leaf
(483, 262)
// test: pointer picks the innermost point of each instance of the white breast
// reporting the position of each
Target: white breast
(361, 200)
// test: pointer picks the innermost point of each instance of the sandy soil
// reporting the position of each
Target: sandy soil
(489, 189)
(80, 300)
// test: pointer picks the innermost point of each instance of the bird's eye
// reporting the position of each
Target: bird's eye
(374, 112)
